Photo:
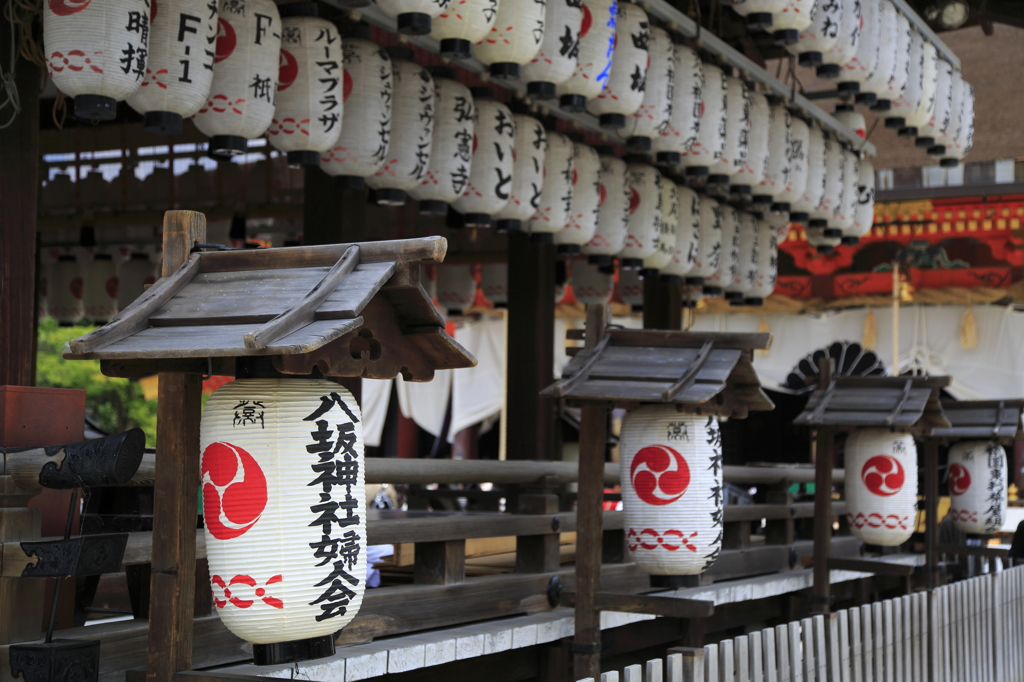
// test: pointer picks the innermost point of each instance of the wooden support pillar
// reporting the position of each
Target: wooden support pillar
(663, 304)
(176, 488)
(440, 563)
(821, 590)
(538, 553)
(331, 215)
(931, 510)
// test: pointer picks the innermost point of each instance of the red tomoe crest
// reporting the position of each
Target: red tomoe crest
(634, 200)
(346, 86)
(63, 8)
(883, 475)
(226, 40)
(76, 287)
(588, 19)
(604, 193)
(659, 475)
(288, 70)
(111, 286)
(959, 479)
(234, 490)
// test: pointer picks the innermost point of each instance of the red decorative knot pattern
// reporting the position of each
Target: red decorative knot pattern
(671, 540)
(964, 515)
(221, 103)
(288, 126)
(873, 520)
(245, 581)
(154, 77)
(74, 60)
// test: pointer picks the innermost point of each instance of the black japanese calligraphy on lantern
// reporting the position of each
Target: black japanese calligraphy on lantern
(249, 412)
(569, 43)
(138, 22)
(262, 87)
(502, 184)
(234, 7)
(463, 109)
(677, 431)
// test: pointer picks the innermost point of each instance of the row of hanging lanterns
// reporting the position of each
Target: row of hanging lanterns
(92, 288)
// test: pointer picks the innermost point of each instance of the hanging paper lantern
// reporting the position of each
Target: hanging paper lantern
(99, 288)
(794, 17)
(671, 467)
(864, 213)
(590, 285)
(556, 196)
(624, 92)
(847, 43)
(65, 291)
(823, 239)
(631, 289)
(687, 106)
(132, 277)
(285, 513)
(929, 90)
(451, 149)
(179, 65)
(881, 486)
(490, 177)
(814, 189)
(461, 24)
(412, 130)
(965, 130)
(845, 215)
(593, 55)
(710, 146)
(752, 170)
(947, 132)
(977, 486)
(96, 52)
(767, 265)
(494, 283)
(527, 174)
(851, 118)
(758, 13)
(645, 203)
(737, 133)
(821, 35)
(876, 84)
(930, 132)
(778, 222)
(456, 288)
(832, 197)
(310, 88)
(866, 47)
(728, 262)
(612, 213)
(749, 254)
(240, 104)
(795, 182)
(687, 233)
(413, 16)
(514, 39)
(586, 200)
(903, 104)
(555, 62)
(777, 166)
(709, 241)
(363, 145)
(666, 250)
(652, 118)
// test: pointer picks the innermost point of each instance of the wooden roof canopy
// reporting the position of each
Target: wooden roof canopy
(346, 309)
(900, 403)
(702, 372)
(986, 419)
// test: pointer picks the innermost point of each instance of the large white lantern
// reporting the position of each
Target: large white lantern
(494, 283)
(461, 24)
(903, 104)
(848, 115)
(240, 104)
(490, 178)
(709, 241)
(456, 288)
(365, 137)
(709, 147)
(179, 65)
(590, 284)
(556, 195)
(965, 130)
(285, 513)
(651, 119)
(752, 170)
(865, 59)
(794, 17)
(586, 200)
(666, 250)
(814, 189)
(929, 89)
(864, 213)
(737, 133)
(99, 288)
(527, 174)
(687, 233)
(881, 486)
(846, 214)
(777, 166)
(728, 263)
(451, 149)
(876, 83)
(795, 182)
(821, 35)
(624, 93)
(96, 52)
(556, 60)
(64, 294)
(687, 106)
(612, 214)
(132, 277)
(824, 213)
(593, 55)
(412, 130)
(745, 276)
(946, 134)
(514, 38)
(672, 491)
(932, 131)
(413, 17)
(310, 88)
(977, 486)
(847, 44)
(767, 265)
(645, 202)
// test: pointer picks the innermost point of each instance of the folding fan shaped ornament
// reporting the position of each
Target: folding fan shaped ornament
(709, 147)
(977, 486)
(747, 261)
(456, 288)
(752, 171)
(868, 48)
(903, 104)
(490, 178)
(737, 133)
(555, 62)
(612, 213)
(881, 486)
(814, 189)
(767, 266)
(99, 288)
(590, 284)
(240, 104)
(847, 43)
(514, 38)
(875, 84)
(624, 92)
(709, 241)
(793, 18)
(851, 360)
(777, 166)
(796, 181)
(932, 132)
(586, 200)
(687, 233)
(821, 35)
(729, 257)
(96, 52)
(494, 283)
(362, 148)
(413, 17)
(652, 117)
(593, 55)
(759, 13)
(530, 145)
(461, 24)
(666, 250)
(310, 87)
(451, 148)
(556, 195)
(412, 130)
(687, 106)
(65, 291)
(179, 64)
(645, 204)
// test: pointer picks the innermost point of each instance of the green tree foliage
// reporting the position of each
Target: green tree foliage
(114, 404)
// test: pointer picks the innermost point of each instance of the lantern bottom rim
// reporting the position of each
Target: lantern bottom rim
(508, 225)
(456, 48)
(226, 146)
(572, 103)
(638, 144)
(599, 260)
(742, 190)
(504, 70)
(786, 36)
(630, 263)
(830, 71)
(937, 150)
(649, 272)
(949, 163)
(713, 292)
(826, 250)
(542, 90)
(695, 281)
(613, 121)
(162, 123)
(881, 104)
(569, 249)
(414, 23)
(817, 222)
(303, 157)
(668, 158)
(808, 59)
(294, 651)
(95, 107)
(760, 21)
(762, 200)
(781, 207)
(476, 220)
(867, 99)
(848, 87)
(895, 122)
(909, 131)
(718, 180)
(924, 142)
(388, 196)
(670, 279)
(755, 301)
(433, 207)
(799, 217)
(734, 296)
(697, 171)
(850, 241)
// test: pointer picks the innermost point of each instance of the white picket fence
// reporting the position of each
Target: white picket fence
(970, 631)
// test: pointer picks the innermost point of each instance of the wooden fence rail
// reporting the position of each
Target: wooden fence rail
(970, 631)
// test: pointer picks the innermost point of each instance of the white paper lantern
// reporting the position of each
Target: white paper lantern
(931, 132)
(99, 288)
(848, 41)
(593, 55)
(240, 104)
(451, 149)
(590, 285)
(795, 182)
(666, 250)
(977, 486)
(456, 288)
(965, 129)
(778, 222)
(652, 118)
(865, 59)
(845, 216)
(745, 276)
(413, 17)
(96, 52)
(881, 486)
(310, 90)
(631, 289)
(645, 202)
(527, 174)
(752, 170)
(687, 107)
(709, 241)
(821, 35)
(132, 277)
(793, 18)
(737, 133)
(490, 177)
(728, 262)
(687, 233)
(851, 118)
(832, 198)
(65, 291)
(777, 167)
(947, 133)
(709, 147)
(514, 39)
(462, 23)
(904, 103)
(864, 213)
(929, 89)
(814, 189)
(412, 131)
(624, 93)
(285, 511)
(556, 196)
(758, 13)
(612, 214)
(494, 283)
(876, 84)
(767, 265)
(823, 239)
(555, 62)
(179, 64)
(586, 200)
(365, 137)
(672, 491)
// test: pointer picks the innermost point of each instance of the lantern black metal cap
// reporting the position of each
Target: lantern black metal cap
(671, 280)
(937, 150)
(844, 107)
(631, 263)
(432, 207)
(909, 131)
(832, 233)
(764, 200)
(508, 225)
(925, 142)
(848, 88)
(504, 70)
(569, 249)
(742, 191)
(414, 23)
(648, 272)
(293, 651)
(712, 292)
(572, 103)
(734, 297)
(613, 121)
(102, 256)
(298, 9)
(868, 99)
(829, 71)
(895, 123)
(226, 146)
(668, 158)
(162, 123)
(786, 36)
(695, 281)
(482, 92)
(817, 222)
(542, 90)
(352, 4)
(879, 103)
(781, 207)
(95, 107)
(799, 217)
(542, 238)
(456, 48)
(389, 196)
(759, 21)
(850, 241)
(349, 182)
(305, 157)
(697, 171)
(809, 59)
(138, 255)
(949, 163)
(755, 301)
(826, 250)
(441, 71)
(401, 52)
(66, 258)
(718, 180)
(600, 261)
(476, 219)
(638, 145)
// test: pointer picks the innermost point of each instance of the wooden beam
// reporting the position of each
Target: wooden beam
(931, 511)
(673, 607)
(440, 563)
(868, 566)
(423, 249)
(967, 550)
(822, 500)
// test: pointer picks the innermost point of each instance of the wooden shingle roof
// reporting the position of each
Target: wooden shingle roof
(908, 403)
(997, 419)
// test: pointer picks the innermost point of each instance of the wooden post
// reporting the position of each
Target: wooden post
(822, 501)
(931, 506)
(589, 513)
(176, 488)
(331, 215)
(663, 304)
